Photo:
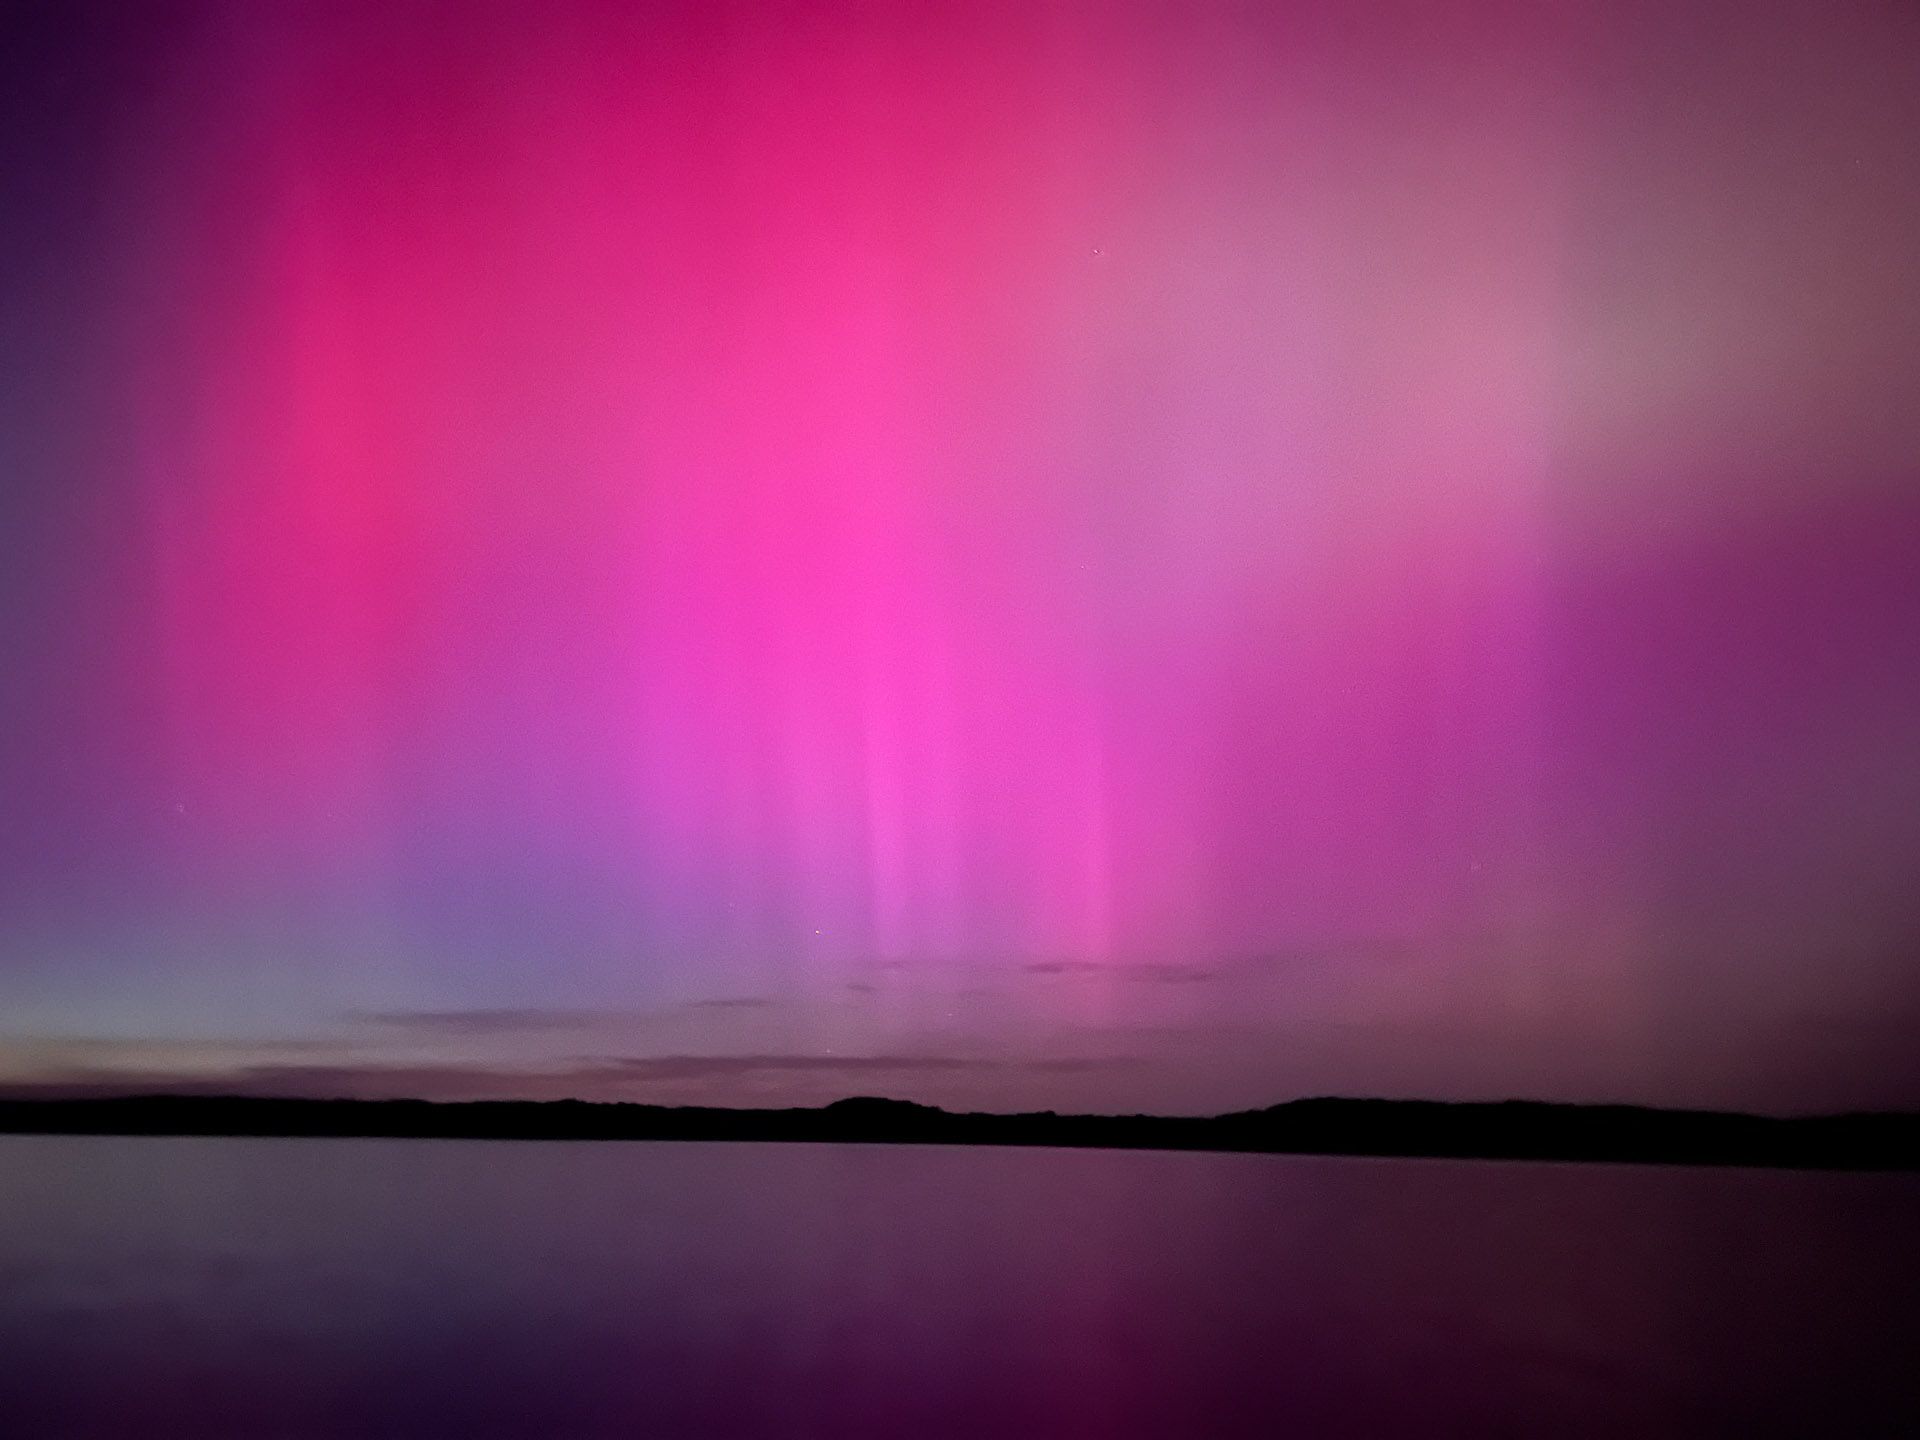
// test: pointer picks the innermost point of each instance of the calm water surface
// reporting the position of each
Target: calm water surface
(259, 1288)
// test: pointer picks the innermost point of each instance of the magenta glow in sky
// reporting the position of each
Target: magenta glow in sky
(1108, 556)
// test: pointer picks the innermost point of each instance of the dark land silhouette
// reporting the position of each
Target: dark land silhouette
(1506, 1130)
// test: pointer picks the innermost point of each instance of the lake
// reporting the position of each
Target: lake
(263, 1288)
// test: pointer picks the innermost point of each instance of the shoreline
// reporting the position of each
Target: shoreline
(1409, 1129)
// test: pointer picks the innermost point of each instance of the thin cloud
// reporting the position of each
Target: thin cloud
(703, 1067)
(483, 1022)
(1147, 973)
(316, 1082)
(1078, 1064)
(597, 1079)
(732, 1002)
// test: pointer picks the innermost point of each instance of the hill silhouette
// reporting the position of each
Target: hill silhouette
(1505, 1130)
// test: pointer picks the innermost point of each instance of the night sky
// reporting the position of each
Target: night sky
(1100, 556)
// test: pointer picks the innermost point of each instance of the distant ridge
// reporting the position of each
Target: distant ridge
(1506, 1130)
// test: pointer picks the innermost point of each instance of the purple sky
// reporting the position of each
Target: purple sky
(1105, 556)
